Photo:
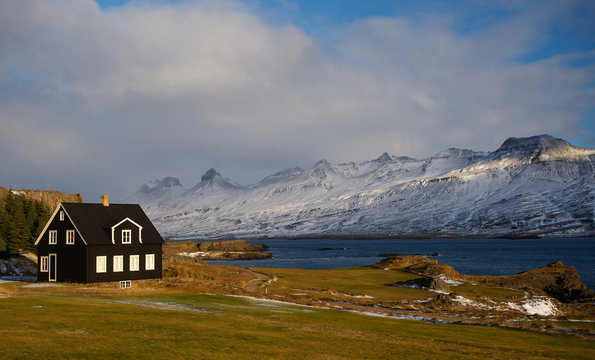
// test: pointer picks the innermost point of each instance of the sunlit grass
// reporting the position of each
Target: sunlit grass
(55, 326)
(494, 293)
(357, 281)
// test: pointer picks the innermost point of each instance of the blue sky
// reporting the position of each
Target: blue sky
(117, 93)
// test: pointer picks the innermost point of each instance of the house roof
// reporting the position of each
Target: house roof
(94, 221)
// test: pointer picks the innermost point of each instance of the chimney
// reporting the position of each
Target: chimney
(105, 200)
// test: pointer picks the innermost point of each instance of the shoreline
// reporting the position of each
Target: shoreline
(385, 237)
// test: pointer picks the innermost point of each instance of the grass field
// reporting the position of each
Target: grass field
(368, 281)
(73, 321)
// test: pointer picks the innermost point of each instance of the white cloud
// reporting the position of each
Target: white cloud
(154, 89)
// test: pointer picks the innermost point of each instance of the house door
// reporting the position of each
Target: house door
(52, 268)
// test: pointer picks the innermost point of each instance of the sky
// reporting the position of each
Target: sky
(99, 97)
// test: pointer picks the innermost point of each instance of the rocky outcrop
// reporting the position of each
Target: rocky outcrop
(558, 281)
(230, 245)
(426, 282)
(418, 264)
(188, 251)
(555, 279)
(51, 199)
(17, 266)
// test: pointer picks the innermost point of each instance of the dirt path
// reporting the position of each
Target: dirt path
(254, 285)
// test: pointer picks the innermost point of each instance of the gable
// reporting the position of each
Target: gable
(127, 224)
(60, 211)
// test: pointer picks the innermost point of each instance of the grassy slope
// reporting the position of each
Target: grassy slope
(54, 323)
(371, 281)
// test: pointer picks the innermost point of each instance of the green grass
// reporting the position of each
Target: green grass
(50, 325)
(495, 293)
(351, 281)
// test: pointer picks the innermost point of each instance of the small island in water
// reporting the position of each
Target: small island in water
(190, 251)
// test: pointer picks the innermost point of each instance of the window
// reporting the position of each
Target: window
(125, 284)
(126, 236)
(43, 267)
(61, 215)
(150, 262)
(118, 263)
(101, 264)
(133, 262)
(69, 237)
(53, 237)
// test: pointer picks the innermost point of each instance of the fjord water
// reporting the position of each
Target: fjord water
(467, 256)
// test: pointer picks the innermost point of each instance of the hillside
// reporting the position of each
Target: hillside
(535, 186)
(49, 198)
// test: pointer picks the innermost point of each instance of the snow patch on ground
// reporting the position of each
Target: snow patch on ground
(208, 253)
(450, 281)
(264, 302)
(398, 316)
(171, 306)
(360, 296)
(540, 305)
(468, 302)
(41, 285)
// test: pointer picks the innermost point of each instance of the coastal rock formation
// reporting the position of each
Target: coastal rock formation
(426, 282)
(418, 264)
(555, 279)
(215, 250)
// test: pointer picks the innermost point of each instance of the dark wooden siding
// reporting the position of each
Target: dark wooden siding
(125, 250)
(70, 259)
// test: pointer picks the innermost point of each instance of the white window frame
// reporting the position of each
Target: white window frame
(149, 261)
(118, 263)
(61, 215)
(124, 284)
(69, 237)
(53, 237)
(134, 263)
(101, 264)
(44, 264)
(126, 236)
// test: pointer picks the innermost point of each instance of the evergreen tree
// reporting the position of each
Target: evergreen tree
(21, 221)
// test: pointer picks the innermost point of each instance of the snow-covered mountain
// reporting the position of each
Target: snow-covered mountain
(529, 186)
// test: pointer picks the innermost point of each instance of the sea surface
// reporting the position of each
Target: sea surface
(467, 256)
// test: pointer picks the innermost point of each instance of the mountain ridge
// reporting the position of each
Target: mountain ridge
(535, 186)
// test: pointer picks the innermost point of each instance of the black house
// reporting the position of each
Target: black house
(88, 243)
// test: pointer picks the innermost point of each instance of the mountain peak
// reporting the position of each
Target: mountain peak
(453, 152)
(159, 184)
(210, 175)
(539, 142)
(212, 179)
(384, 158)
(535, 147)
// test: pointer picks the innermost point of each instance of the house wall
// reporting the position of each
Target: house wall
(70, 259)
(126, 250)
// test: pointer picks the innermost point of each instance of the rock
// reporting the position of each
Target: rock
(230, 245)
(18, 266)
(555, 279)
(394, 261)
(426, 282)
